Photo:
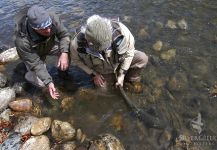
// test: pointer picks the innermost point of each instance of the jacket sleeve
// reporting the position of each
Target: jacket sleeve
(126, 49)
(77, 60)
(32, 60)
(62, 34)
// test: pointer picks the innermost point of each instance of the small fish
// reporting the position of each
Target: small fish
(8, 55)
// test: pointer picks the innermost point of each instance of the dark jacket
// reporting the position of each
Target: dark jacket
(33, 48)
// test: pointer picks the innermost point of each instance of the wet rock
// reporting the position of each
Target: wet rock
(13, 142)
(143, 33)
(24, 105)
(41, 126)
(5, 114)
(178, 82)
(106, 142)
(62, 130)
(168, 55)
(117, 122)
(183, 24)
(6, 96)
(158, 45)
(67, 103)
(3, 80)
(135, 87)
(171, 24)
(87, 94)
(25, 124)
(127, 19)
(37, 143)
(80, 136)
(69, 146)
(9, 55)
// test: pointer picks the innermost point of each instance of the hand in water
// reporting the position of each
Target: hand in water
(99, 80)
(52, 90)
(120, 80)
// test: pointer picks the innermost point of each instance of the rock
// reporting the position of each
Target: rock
(24, 105)
(183, 24)
(87, 94)
(37, 143)
(158, 45)
(13, 142)
(67, 103)
(69, 146)
(171, 24)
(168, 55)
(62, 130)
(41, 126)
(3, 80)
(25, 124)
(178, 82)
(106, 142)
(6, 96)
(143, 33)
(117, 122)
(9, 55)
(6, 115)
(127, 19)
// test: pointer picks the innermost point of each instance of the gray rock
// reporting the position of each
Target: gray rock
(37, 143)
(62, 130)
(3, 80)
(6, 96)
(6, 114)
(13, 142)
(25, 124)
(9, 55)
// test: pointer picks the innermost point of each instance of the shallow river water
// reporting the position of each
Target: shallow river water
(180, 87)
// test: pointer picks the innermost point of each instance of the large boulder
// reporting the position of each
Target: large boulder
(41, 126)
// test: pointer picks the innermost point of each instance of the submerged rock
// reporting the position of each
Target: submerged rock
(6, 96)
(158, 45)
(25, 124)
(24, 105)
(9, 55)
(168, 55)
(67, 103)
(37, 143)
(143, 33)
(41, 126)
(62, 130)
(106, 142)
(5, 115)
(69, 146)
(183, 24)
(178, 82)
(171, 24)
(3, 80)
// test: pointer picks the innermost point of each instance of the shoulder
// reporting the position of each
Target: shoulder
(22, 43)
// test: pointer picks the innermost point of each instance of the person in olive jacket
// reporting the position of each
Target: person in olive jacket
(40, 33)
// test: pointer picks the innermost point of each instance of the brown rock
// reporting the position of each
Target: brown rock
(41, 126)
(23, 105)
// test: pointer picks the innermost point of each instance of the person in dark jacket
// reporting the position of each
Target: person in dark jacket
(38, 34)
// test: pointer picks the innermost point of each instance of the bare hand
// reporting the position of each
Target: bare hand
(53, 92)
(120, 80)
(63, 62)
(99, 80)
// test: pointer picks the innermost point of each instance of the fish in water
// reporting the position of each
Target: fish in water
(148, 119)
(8, 55)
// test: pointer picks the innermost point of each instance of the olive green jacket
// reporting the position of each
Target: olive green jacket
(33, 48)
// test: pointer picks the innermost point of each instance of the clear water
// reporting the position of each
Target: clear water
(196, 51)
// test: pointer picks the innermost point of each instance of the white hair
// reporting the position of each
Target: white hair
(95, 17)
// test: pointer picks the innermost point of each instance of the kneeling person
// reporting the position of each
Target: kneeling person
(104, 46)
